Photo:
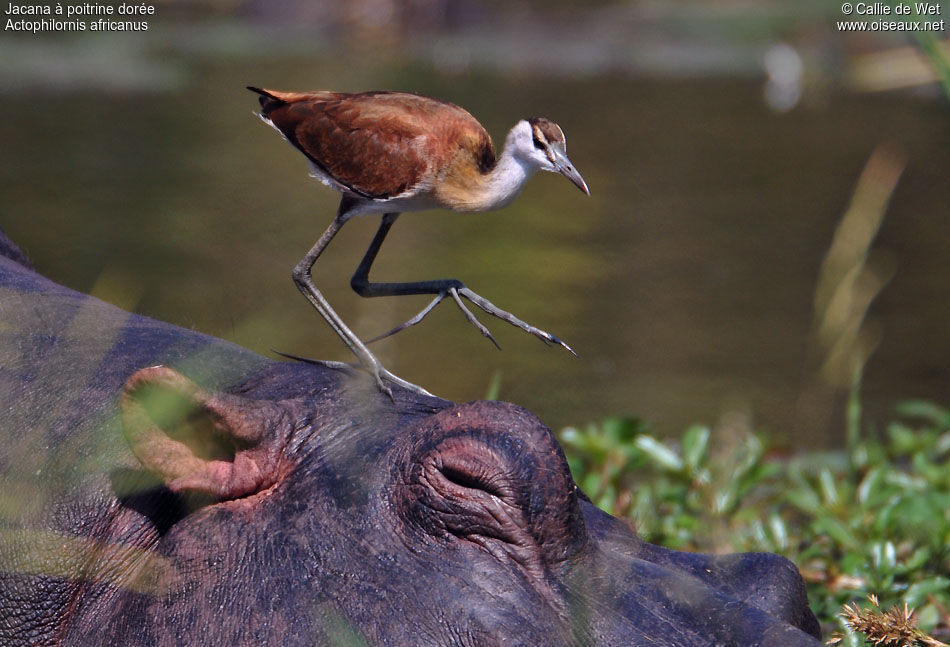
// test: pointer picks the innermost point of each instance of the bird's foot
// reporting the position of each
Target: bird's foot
(379, 373)
(395, 379)
(457, 293)
(373, 367)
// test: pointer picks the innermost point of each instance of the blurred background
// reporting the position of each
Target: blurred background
(767, 228)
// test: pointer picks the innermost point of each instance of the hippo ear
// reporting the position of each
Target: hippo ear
(217, 444)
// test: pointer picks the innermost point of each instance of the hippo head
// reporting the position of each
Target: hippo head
(302, 509)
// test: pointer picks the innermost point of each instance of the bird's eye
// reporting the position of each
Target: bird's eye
(536, 138)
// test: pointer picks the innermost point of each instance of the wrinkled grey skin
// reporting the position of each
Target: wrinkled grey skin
(284, 503)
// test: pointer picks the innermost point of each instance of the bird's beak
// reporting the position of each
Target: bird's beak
(563, 166)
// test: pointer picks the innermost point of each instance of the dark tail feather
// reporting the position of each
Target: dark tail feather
(268, 100)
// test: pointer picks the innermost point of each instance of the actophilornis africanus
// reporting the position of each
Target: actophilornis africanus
(391, 152)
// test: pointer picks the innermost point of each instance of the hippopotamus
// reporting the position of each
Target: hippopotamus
(163, 487)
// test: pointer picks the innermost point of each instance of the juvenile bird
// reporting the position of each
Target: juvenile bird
(392, 152)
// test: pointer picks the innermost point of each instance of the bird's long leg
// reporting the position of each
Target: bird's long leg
(442, 288)
(303, 278)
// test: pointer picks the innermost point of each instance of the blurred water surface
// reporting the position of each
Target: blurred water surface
(685, 282)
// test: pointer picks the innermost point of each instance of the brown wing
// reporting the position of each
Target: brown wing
(377, 144)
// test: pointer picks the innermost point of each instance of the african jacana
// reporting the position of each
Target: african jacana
(392, 152)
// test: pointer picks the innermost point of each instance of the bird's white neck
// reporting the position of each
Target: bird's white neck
(504, 182)
(467, 189)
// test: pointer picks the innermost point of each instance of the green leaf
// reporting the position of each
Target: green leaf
(919, 591)
(837, 531)
(884, 556)
(870, 487)
(570, 436)
(904, 440)
(592, 484)
(695, 444)
(659, 453)
(723, 501)
(805, 499)
(928, 617)
(779, 532)
(916, 561)
(494, 386)
(829, 492)
(924, 410)
(620, 431)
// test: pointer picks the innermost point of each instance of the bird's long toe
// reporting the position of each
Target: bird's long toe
(410, 322)
(504, 315)
(471, 318)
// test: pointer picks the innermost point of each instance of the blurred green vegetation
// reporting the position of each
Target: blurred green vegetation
(873, 518)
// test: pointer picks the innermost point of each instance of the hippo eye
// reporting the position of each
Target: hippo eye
(490, 482)
(465, 477)
(460, 485)
(471, 474)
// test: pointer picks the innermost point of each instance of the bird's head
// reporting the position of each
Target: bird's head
(540, 142)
